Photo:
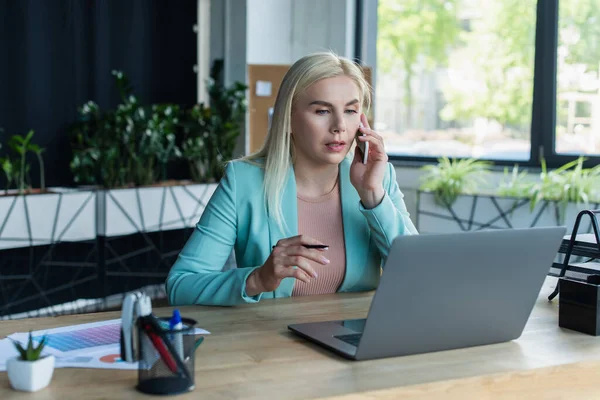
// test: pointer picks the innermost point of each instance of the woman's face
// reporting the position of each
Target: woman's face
(325, 119)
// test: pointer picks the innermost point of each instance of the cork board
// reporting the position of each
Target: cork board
(264, 76)
(258, 106)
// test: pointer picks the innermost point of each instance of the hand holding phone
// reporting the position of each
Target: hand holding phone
(363, 146)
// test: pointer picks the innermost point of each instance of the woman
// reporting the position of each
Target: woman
(302, 189)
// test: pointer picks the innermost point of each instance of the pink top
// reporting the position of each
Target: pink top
(321, 218)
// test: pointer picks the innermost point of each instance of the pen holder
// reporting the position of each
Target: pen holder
(166, 361)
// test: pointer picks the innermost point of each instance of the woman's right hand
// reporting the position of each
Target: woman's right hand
(287, 254)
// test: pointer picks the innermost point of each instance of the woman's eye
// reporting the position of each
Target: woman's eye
(322, 112)
(352, 111)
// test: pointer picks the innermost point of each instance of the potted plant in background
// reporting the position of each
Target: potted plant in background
(30, 371)
(126, 147)
(32, 216)
(451, 178)
(519, 200)
(124, 154)
(211, 131)
(127, 152)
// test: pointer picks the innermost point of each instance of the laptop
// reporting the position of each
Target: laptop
(447, 291)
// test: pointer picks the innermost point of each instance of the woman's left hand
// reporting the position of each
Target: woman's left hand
(368, 178)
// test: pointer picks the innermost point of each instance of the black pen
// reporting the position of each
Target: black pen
(313, 246)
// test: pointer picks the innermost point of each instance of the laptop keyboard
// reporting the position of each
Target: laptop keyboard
(352, 338)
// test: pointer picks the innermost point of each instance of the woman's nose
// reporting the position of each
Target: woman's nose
(339, 124)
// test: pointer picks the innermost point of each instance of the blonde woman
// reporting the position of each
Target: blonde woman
(304, 215)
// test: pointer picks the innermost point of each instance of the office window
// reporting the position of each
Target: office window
(455, 77)
(578, 85)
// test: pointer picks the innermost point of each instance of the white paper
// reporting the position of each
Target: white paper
(7, 351)
(82, 341)
(263, 88)
(106, 359)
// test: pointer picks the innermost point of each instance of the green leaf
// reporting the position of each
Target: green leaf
(38, 350)
(20, 349)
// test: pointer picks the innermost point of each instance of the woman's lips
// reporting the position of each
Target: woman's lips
(335, 147)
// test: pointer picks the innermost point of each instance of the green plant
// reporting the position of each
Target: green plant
(131, 145)
(31, 352)
(515, 184)
(88, 146)
(449, 178)
(10, 168)
(17, 170)
(20, 145)
(37, 150)
(568, 183)
(211, 131)
(195, 153)
(161, 136)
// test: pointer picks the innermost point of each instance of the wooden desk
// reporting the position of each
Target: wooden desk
(251, 355)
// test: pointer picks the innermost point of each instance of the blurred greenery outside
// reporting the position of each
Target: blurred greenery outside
(455, 77)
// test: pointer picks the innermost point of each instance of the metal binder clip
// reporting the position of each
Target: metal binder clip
(135, 305)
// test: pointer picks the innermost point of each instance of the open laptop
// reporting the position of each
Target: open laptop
(447, 291)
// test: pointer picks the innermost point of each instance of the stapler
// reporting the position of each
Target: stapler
(135, 305)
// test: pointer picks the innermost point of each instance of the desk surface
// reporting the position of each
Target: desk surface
(251, 354)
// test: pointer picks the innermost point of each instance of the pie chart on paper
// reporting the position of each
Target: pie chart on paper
(111, 358)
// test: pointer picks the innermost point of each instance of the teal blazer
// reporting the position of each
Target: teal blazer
(236, 217)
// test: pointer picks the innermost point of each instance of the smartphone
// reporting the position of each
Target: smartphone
(363, 146)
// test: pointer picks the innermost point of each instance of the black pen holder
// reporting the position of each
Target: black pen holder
(578, 305)
(166, 357)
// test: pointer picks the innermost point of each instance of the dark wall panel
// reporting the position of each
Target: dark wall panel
(57, 54)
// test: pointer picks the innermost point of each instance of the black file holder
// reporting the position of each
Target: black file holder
(579, 305)
(576, 247)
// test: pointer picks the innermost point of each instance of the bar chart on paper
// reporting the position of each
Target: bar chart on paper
(83, 338)
(87, 337)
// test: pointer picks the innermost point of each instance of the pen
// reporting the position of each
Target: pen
(313, 246)
(175, 324)
(159, 345)
(198, 342)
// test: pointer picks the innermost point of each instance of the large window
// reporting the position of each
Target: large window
(475, 78)
(578, 64)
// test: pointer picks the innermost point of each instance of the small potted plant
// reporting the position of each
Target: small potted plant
(30, 371)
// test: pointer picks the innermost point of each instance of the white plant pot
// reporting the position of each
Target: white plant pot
(30, 376)
(485, 213)
(150, 209)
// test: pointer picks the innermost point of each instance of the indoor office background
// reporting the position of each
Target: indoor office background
(510, 82)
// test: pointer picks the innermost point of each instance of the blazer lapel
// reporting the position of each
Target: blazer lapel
(289, 209)
(356, 230)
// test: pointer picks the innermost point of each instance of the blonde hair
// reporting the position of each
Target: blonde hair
(277, 151)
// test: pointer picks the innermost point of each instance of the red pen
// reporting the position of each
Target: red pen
(160, 346)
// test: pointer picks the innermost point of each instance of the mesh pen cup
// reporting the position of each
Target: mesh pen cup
(166, 357)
